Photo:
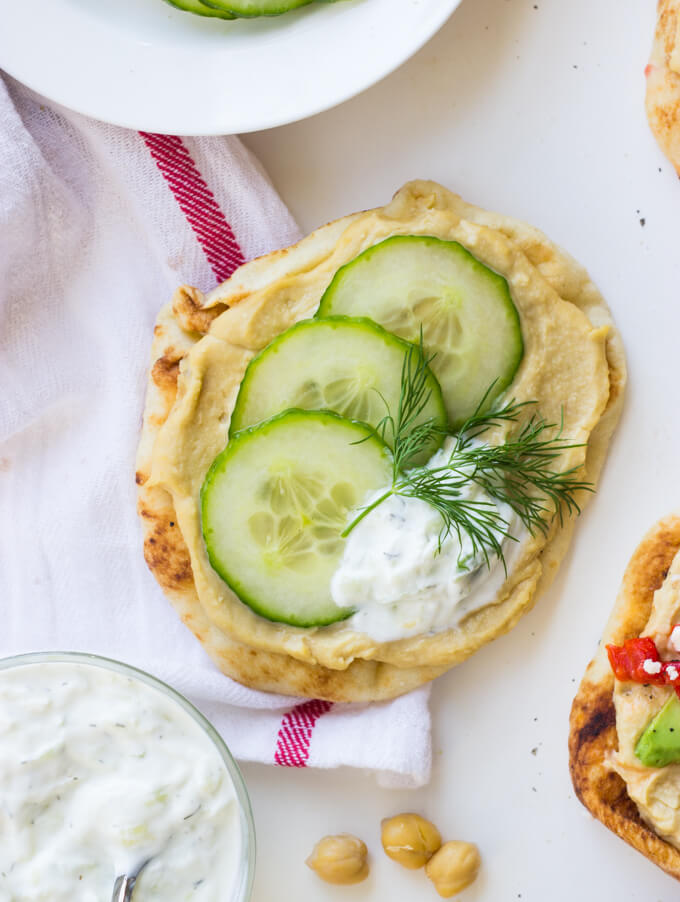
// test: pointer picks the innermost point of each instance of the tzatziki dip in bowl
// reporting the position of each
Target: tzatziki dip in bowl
(103, 766)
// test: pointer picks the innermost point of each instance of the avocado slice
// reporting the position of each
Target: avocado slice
(659, 745)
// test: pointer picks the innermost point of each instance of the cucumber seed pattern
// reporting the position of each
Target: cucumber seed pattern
(303, 518)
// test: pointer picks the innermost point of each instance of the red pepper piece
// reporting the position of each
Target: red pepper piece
(639, 651)
(627, 661)
(618, 660)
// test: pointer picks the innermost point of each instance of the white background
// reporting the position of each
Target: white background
(535, 112)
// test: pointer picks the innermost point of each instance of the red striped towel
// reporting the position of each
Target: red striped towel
(99, 225)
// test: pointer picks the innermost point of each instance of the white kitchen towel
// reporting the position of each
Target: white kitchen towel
(98, 225)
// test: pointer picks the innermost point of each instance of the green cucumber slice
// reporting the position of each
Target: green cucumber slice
(274, 503)
(350, 366)
(251, 8)
(464, 308)
(200, 9)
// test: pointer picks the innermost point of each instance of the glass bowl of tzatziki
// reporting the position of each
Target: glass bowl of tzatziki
(102, 767)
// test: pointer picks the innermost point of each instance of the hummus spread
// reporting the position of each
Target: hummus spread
(656, 791)
(572, 367)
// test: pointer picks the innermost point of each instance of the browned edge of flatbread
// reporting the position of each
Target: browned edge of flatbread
(592, 724)
(663, 84)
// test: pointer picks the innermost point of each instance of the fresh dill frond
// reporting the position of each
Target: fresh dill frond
(520, 472)
(405, 434)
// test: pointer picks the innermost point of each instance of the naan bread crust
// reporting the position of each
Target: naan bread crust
(252, 659)
(592, 731)
(663, 81)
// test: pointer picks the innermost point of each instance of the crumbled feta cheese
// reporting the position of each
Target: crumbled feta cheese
(650, 666)
(674, 638)
(672, 672)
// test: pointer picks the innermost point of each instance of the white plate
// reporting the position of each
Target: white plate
(145, 65)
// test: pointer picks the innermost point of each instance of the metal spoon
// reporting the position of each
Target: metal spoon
(125, 884)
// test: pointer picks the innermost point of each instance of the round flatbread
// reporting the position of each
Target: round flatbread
(663, 81)
(202, 346)
(593, 737)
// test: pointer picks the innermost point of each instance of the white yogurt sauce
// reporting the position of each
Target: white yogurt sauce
(393, 573)
(97, 772)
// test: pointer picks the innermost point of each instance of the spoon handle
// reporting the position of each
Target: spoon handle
(122, 889)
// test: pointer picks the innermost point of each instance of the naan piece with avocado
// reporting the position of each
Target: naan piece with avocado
(624, 740)
(362, 456)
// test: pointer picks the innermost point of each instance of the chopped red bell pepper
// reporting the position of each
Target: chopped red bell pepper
(627, 661)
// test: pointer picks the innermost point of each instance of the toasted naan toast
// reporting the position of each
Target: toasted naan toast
(663, 81)
(572, 350)
(592, 733)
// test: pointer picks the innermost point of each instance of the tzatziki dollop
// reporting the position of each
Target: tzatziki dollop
(399, 580)
(99, 771)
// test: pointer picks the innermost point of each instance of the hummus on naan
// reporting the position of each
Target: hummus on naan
(655, 791)
(573, 367)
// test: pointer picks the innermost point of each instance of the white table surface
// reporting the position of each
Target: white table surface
(533, 108)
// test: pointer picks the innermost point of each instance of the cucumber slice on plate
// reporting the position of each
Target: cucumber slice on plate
(251, 8)
(464, 308)
(351, 366)
(274, 503)
(200, 9)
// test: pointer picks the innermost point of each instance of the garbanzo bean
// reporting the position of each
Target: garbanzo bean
(340, 859)
(453, 867)
(410, 839)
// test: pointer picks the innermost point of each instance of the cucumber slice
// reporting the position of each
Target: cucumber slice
(274, 503)
(467, 315)
(351, 366)
(251, 8)
(200, 9)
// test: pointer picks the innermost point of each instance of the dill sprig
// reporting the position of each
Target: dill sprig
(519, 472)
(409, 437)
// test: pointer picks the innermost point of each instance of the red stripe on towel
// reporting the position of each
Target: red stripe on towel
(197, 202)
(224, 255)
(292, 747)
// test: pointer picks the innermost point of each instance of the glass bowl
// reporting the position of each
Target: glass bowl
(244, 882)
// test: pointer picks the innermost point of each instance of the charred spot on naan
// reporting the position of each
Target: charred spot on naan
(165, 551)
(192, 315)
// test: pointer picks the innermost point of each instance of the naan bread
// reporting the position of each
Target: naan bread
(202, 345)
(663, 80)
(593, 738)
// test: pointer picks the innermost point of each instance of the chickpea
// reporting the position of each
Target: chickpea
(409, 839)
(453, 867)
(340, 859)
